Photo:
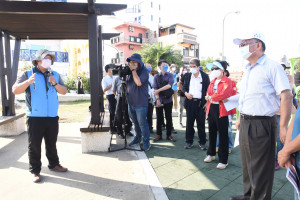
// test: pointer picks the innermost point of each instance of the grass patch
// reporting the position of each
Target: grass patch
(73, 111)
(68, 112)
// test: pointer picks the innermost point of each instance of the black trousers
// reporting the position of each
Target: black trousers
(160, 117)
(39, 128)
(118, 120)
(257, 146)
(215, 124)
(195, 112)
(149, 116)
(112, 109)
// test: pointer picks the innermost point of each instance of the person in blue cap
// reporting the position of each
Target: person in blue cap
(137, 95)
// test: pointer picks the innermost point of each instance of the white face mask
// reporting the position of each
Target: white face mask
(214, 74)
(194, 70)
(46, 63)
(245, 52)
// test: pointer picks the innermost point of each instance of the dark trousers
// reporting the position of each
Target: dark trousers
(150, 115)
(39, 128)
(195, 112)
(215, 124)
(118, 120)
(257, 146)
(112, 109)
(160, 117)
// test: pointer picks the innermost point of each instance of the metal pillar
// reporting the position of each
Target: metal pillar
(94, 68)
(100, 57)
(15, 63)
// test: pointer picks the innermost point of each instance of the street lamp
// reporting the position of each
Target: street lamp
(236, 12)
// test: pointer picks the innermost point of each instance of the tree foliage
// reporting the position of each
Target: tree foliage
(153, 53)
(204, 62)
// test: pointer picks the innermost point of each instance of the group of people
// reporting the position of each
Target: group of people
(263, 92)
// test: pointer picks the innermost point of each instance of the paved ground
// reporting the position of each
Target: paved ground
(118, 175)
(124, 174)
(184, 175)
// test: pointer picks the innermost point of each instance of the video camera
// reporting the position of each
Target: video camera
(122, 70)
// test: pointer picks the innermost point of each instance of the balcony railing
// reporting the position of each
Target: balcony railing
(130, 39)
(187, 38)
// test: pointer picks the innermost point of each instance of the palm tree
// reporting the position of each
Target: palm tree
(153, 53)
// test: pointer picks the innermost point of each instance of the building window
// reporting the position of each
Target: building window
(132, 39)
(147, 35)
(135, 19)
(131, 47)
(159, 20)
(172, 31)
(121, 54)
(139, 40)
(185, 51)
(197, 53)
(151, 4)
(140, 35)
(140, 19)
(151, 18)
(112, 40)
(159, 7)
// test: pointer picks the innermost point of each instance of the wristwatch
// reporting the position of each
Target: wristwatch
(133, 70)
(54, 84)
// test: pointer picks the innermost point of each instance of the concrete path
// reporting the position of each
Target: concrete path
(119, 175)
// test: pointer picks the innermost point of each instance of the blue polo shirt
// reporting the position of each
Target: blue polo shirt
(138, 95)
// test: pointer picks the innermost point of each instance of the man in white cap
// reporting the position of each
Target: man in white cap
(41, 86)
(264, 87)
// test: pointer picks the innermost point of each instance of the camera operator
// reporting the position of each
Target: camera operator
(162, 85)
(107, 89)
(41, 86)
(137, 93)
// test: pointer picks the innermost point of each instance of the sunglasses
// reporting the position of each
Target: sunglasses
(215, 68)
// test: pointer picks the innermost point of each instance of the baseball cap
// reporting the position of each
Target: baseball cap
(257, 35)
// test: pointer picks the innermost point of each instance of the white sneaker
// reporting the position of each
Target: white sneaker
(209, 158)
(222, 166)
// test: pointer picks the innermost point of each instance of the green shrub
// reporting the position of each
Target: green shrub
(86, 83)
(71, 84)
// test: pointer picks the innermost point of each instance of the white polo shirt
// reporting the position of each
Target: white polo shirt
(196, 86)
(106, 81)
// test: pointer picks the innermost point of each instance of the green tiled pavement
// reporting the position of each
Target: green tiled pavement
(184, 175)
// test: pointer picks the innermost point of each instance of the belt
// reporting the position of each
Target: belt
(243, 116)
(195, 99)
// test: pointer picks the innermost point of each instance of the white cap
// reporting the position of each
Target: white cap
(256, 35)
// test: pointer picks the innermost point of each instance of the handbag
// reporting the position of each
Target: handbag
(166, 93)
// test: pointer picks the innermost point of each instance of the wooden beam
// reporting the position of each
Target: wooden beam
(29, 7)
(10, 109)
(2, 75)
(94, 69)
(100, 62)
(15, 64)
(107, 36)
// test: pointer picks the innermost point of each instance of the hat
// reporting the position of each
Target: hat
(134, 57)
(41, 54)
(257, 35)
(209, 66)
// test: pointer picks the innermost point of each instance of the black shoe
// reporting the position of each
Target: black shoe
(202, 146)
(121, 135)
(174, 131)
(188, 146)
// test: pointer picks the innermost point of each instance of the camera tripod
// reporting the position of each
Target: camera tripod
(124, 117)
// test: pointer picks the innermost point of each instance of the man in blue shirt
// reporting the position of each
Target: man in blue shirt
(264, 87)
(41, 86)
(137, 94)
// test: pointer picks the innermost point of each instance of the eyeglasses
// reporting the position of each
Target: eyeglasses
(247, 43)
(215, 68)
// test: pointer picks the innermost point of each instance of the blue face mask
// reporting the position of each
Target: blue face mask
(149, 69)
(165, 68)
